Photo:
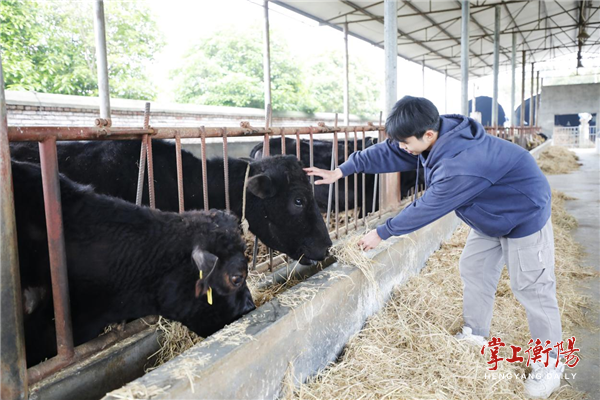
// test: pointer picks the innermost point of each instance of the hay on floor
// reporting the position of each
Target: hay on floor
(558, 160)
(407, 350)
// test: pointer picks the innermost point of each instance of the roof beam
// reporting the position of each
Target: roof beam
(567, 12)
(443, 30)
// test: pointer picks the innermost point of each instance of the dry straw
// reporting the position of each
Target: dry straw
(407, 350)
(558, 160)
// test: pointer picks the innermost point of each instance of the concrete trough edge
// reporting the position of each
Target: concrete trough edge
(301, 331)
(538, 150)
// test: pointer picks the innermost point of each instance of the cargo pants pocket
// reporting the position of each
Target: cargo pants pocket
(536, 266)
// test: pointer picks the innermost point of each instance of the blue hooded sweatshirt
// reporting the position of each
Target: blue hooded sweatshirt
(493, 185)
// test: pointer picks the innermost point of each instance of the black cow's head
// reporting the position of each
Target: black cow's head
(220, 292)
(282, 211)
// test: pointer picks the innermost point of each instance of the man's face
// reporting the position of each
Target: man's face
(416, 146)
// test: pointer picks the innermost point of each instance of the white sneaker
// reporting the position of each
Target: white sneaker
(543, 381)
(467, 336)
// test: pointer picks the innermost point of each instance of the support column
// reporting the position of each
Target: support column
(101, 59)
(531, 121)
(537, 98)
(12, 344)
(346, 78)
(496, 67)
(423, 78)
(513, 86)
(445, 91)
(390, 182)
(523, 92)
(464, 58)
(267, 59)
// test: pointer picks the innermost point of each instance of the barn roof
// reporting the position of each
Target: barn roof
(430, 31)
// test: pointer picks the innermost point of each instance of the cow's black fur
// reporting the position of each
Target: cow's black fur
(125, 262)
(322, 159)
(275, 187)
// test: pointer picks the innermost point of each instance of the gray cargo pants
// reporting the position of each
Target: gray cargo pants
(530, 262)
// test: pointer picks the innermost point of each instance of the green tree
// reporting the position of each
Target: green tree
(49, 47)
(226, 68)
(325, 84)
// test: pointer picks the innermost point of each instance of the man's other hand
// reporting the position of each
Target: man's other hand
(328, 176)
(370, 240)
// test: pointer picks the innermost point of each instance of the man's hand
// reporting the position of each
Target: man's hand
(328, 176)
(370, 240)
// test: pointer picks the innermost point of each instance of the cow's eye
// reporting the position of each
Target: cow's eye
(298, 202)
(237, 280)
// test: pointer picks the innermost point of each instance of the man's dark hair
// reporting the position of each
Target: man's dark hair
(412, 116)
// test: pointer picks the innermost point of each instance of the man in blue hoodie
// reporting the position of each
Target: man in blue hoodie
(497, 189)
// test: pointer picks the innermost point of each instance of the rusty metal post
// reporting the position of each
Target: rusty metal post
(297, 144)
(537, 98)
(141, 171)
(513, 68)
(13, 373)
(204, 172)
(311, 158)
(151, 193)
(464, 57)
(179, 173)
(364, 185)
(56, 248)
(336, 185)
(102, 63)
(226, 170)
(330, 193)
(283, 150)
(346, 181)
(355, 188)
(496, 67)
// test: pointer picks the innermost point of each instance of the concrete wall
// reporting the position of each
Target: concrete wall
(568, 99)
(42, 109)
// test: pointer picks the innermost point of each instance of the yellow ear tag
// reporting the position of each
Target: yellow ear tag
(209, 295)
(200, 274)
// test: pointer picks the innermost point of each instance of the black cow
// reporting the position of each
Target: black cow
(322, 159)
(280, 207)
(126, 262)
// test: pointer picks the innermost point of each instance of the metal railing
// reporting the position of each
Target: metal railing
(574, 136)
(48, 136)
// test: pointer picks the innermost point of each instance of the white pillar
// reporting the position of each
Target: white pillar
(267, 60)
(496, 67)
(464, 58)
(513, 88)
(101, 60)
(346, 78)
(390, 40)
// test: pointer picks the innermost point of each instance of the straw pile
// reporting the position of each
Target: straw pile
(558, 160)
(407, 350)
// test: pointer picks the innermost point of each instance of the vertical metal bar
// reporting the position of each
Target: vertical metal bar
(226, 170)
(297, 144)
(496, 67)
(364, 185)
(204, 172)
(390, 44)
(446, 91)
(523, 92)
(423, 78)
(141, 171)
(283, 149)
(101, 59)
(270, 259)
(464, 57)
(513, 87)
(56, 247)
(266, 57)
(254, 252)
(346, 77)
(13, 374)
(381, 187)
(346, 180)
(179, 172)
(355, 188)
(330, 193)
(311, 158)
(538, 102)
(531, 95)
(336, 185)
(151, 193)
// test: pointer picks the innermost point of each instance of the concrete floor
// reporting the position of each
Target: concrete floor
(584, 184)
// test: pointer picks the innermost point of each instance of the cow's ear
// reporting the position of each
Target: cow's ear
(204, 260)
(261, 186)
